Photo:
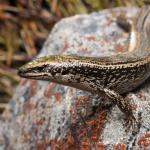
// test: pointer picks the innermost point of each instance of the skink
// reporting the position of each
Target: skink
(109, 76)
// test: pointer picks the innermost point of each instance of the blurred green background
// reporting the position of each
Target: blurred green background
(24, 26)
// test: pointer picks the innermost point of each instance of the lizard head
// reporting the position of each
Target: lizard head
(53, 68)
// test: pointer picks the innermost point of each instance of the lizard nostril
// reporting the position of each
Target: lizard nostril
(20, 72)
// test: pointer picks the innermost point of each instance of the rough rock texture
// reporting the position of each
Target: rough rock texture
(43, 115)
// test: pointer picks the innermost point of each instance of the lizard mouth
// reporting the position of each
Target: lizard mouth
(28, 71)
(35, 72)
(23, 72)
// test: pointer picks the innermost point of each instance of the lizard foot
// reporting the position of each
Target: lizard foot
(130, 123)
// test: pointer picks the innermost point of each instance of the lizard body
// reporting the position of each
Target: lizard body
(110, 76)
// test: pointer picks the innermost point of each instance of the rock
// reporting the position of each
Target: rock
(44, 115)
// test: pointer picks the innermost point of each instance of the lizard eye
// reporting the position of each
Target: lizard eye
(64, 72)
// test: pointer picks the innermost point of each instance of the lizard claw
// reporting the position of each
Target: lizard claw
(130, 123)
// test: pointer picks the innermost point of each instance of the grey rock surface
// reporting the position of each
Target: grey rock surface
(44, 115)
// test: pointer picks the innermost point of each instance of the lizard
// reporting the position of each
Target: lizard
(109, 76)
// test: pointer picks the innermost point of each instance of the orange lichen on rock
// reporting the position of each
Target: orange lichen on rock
(49, 90)
(144, 142)
(101, 146)
(119, 146)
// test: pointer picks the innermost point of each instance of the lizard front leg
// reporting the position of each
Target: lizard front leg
(117, 99)
(123, 105)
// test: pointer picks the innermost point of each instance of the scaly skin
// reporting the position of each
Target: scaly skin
(109, 76)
